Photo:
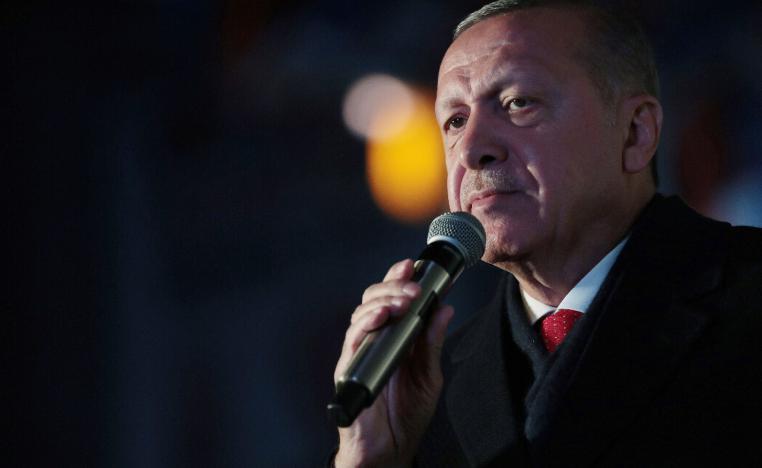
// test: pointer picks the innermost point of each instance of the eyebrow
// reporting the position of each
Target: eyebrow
(446, 104)
(506, 78)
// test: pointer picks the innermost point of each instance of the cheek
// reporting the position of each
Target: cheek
(454, 179)
(571, 180)
(565, 155)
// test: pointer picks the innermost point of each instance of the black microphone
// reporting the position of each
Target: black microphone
(455, 242)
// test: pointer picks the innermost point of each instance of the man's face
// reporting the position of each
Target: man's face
(531, 150)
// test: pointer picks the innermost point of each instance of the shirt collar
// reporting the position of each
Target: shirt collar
(582, 294)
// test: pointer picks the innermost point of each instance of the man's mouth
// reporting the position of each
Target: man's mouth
(484, 197)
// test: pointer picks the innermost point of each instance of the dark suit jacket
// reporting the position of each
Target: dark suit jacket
(663, 370)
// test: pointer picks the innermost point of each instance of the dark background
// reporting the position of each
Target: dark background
(189, 225)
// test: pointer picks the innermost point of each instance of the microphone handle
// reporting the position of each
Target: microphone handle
(381, 350)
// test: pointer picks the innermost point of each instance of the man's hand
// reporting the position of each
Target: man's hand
(388, 432)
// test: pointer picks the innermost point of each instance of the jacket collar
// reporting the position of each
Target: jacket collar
(640, 327)
(644, 322)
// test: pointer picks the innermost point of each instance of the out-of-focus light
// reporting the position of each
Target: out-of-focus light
(406, 170)
(374, 96)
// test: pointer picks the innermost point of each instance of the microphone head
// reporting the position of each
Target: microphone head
(463, 231)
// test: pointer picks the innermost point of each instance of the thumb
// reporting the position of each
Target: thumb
(436, 332)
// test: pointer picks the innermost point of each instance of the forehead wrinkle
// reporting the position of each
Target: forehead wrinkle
(508, 39)
(453, 95)
(502, 66)
(462, 58)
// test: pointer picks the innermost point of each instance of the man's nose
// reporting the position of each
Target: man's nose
(480, 146)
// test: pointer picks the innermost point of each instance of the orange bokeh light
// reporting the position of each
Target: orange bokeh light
(406, 169)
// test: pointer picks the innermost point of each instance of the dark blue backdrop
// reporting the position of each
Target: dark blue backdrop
(189, 221)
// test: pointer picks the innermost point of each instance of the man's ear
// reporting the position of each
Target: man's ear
(643, 114)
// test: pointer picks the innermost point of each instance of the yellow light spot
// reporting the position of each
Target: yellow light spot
(406, 170)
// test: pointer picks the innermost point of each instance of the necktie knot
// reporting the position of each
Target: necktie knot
(556, 326)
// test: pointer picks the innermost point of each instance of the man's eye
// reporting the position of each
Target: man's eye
(456, 122)
(518, 104)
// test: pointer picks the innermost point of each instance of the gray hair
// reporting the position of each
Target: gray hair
(617, 55)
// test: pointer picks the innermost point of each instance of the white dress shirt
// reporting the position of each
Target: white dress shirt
(582, 294)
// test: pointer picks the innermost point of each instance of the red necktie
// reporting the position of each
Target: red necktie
(556, 326)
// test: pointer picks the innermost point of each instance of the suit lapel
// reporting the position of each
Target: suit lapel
(640, 327)
(479, 398)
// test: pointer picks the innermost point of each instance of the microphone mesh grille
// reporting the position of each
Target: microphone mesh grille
(463, 230)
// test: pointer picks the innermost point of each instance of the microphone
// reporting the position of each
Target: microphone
(455, 242)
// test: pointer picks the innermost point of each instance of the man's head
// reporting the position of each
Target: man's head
(549, 122)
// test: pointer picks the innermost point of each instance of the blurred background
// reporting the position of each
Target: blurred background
(199, 191)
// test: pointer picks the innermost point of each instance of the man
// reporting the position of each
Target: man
(550, 120)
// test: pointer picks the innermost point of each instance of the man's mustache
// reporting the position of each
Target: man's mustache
(475, 182)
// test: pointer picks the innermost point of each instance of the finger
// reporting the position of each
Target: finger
(356, 333)
(436, 333)
(397, 306)
(400, 270)
(370, 321)
(437, 329)
(399, 287)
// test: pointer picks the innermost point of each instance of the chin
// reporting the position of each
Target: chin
(507, 241)
(501, 248)
(512, 225)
